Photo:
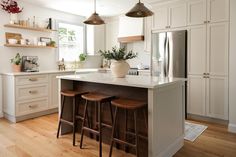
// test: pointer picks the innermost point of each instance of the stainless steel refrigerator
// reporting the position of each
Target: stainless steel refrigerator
(169, 54)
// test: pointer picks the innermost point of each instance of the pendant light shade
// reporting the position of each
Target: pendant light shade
(94, 19)
(139, 10)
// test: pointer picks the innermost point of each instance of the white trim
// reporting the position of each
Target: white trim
(232, 128)
(173, 148)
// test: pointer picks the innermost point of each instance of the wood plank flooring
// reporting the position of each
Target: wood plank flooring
(37, 138)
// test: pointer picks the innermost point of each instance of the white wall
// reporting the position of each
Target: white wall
(47, 57)
(232, 65)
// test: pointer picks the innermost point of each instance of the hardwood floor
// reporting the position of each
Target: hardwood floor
(37, 138)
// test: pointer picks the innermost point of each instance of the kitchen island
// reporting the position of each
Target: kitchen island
(165, 98)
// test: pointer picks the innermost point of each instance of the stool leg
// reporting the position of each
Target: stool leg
(83, 124)
(96, 118)
(136, 132)
(113, 131)
(59, 123)
(100, 129)
(112, 119)
(145, 118)
(126, 129)
(74, 120)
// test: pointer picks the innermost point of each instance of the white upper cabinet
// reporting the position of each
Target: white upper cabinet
(218, 38)
(197, 50)
(177, 15)
(217, 99)
(148, 34)
(197, 12)
(160, 17)
(218, 10)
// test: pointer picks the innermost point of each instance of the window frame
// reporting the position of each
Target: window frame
(84, 38)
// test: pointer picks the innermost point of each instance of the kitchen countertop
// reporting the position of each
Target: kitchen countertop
(129, 80)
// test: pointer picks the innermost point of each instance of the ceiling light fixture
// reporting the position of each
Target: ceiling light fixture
(139, 10)
(94, 19)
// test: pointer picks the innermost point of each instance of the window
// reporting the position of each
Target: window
(71, 41)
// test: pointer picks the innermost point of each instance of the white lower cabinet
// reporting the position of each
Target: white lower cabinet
(208, 96)
(29, 96)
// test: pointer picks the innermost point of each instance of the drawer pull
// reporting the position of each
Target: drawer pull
(33, 91)
(33, 106)
(33, 79)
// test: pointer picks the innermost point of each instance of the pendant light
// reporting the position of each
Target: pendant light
(139, 10)
(94, 19)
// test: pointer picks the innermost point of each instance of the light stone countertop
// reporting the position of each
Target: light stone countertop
(129, 80)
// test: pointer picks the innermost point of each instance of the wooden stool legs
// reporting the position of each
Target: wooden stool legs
(62, 109)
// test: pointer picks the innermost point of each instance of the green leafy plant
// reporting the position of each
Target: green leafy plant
(82, 57)
(16, 60)
(52, 43)
(117, 54)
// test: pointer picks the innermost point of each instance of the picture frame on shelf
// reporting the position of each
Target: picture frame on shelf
(45, 39)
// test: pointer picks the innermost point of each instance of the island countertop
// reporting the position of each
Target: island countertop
(129, 80)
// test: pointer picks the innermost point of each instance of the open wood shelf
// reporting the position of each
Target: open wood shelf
(27, 46)
(29, 28)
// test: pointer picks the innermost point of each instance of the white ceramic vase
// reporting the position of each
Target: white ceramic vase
(119, 68)
(13, 18)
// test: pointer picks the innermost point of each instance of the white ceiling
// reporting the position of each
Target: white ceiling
(85, 7)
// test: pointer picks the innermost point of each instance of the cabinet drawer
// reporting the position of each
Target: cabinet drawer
(32, 106)
(32, 79)
(31, 92)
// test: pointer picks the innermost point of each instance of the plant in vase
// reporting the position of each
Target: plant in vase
(119, 66)
(12, 8)
(82, 58)
(16, 63)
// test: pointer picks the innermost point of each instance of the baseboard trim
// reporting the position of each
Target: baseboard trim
(232, 128)
(172, 149)
(29, 116)
(207, 119)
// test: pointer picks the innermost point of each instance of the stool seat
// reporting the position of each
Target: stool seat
(128, 103)
(71, 93)
(96, 97)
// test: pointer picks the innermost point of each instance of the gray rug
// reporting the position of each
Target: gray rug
(193, 131)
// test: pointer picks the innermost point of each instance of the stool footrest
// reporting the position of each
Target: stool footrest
(67, 122)
(91, 130)
(104, 125)
(123, 142)
(139, 135)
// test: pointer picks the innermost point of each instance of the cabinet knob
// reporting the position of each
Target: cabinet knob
(33, 106)
(33, 79)
(33, 91)
(167, 26)
(205, 22)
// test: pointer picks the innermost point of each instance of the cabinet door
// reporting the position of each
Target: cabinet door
(197, 50)
(196, 95)
(160, 18)
(178, 15)
(147, 34)
(218, 42)
(54, 91)
(197, 12)
(218, 10)
(217, 98)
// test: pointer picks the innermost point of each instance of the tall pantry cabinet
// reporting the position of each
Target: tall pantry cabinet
(207, 22)
(208, 42)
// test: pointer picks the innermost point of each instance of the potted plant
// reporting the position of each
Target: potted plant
(16, 63)
(119, 66)
(12, 8)
(82, 58)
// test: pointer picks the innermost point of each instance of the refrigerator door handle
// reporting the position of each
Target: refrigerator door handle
(165, 57)
(168, 57)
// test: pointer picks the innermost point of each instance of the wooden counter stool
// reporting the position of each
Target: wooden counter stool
(127, 105)
(98, 99)
(75, 95)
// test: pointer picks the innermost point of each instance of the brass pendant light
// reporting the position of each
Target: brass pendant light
(94, 19)
(139, 10)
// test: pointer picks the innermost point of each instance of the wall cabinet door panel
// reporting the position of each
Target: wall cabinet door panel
(196, 95)
(178, 15)
(218, 43)
(217, 98)
(197, 12)
(218, 10)
(197, 50)
(160, 18)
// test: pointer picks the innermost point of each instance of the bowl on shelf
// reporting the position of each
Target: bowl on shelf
(12, 41)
